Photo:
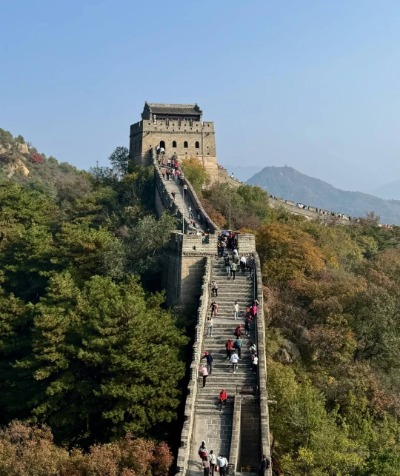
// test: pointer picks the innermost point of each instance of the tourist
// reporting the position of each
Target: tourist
(235, 255)
(204, 373)
(247, 326)
(209, 360)
(213, 462)
(233, 270)
(227, 262)
(222, 398)
(238, 331)
(203, 452)
(222, 463)
(206, 466)
(254, 309)
(238, 346)
(209, 327)
(234, 361)
(243, 264)
(253, 348)
(254, 362)
(214, 309)
(264, 465)
(229, 348)
(236, 310)
(214, 288)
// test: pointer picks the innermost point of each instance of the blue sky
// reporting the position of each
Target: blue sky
(313, 84)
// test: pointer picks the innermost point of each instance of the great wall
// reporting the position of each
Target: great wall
(240, 432)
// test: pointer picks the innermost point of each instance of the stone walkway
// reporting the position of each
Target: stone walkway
(183, 203)
(212, 425)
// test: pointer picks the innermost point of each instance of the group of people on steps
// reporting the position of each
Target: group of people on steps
(219, 464)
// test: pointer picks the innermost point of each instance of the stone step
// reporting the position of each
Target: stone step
(244, 379)
(213, 387)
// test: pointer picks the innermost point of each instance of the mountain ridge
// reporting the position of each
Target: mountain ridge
(290, 184)
(389, 191)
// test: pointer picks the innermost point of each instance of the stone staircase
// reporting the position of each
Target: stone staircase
(213, 425)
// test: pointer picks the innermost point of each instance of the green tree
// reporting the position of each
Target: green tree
(98, 353)
(119, 160)
(307, 439)
(243, 207)
(195, 173)
(17, 385)
(144, 242)
(86, 250)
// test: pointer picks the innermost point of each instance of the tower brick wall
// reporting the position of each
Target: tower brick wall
(185, 137)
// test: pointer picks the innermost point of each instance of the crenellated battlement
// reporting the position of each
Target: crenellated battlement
(179, 130)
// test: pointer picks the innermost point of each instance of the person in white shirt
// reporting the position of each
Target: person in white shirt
(236, 310)
(254, 362)
(234, 360)
(213, 462)
(222, 465)
(253, 348)
(243, 264)
(209, 326)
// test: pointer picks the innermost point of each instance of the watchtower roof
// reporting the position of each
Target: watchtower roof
(187, 110)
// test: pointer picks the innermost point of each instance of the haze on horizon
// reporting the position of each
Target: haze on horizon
(312, 85)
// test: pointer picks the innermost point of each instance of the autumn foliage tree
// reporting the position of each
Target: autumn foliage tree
(30, 450)
(287, 252)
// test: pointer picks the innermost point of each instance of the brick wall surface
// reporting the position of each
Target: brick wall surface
(185, 140)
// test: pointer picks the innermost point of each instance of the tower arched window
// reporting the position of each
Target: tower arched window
(162, 144)
(197, 144)
(174, 144)
(185, 144)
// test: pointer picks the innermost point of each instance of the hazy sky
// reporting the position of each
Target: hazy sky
(313, 84)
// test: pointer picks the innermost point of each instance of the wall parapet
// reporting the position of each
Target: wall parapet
(171, 205)
(235, 440)
(213, 227)
(197, 245)
(262, 366)
(187, 430)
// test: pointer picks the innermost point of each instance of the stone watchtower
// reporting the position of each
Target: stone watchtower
(179, 129)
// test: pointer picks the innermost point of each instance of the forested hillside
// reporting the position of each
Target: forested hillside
(333, 297)
(82, 388)
(79, 258)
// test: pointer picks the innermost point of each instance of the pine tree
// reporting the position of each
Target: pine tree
(108, 356)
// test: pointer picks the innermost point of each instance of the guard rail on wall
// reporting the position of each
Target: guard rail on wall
(187, 430)
(259, 340)
(167, 201)
(262, 363)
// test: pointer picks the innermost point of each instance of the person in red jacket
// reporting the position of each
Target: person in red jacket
(238, 331)
(229, 348)
(223, 396)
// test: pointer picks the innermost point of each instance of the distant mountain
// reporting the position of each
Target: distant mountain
(288, 183)
(390, 191)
